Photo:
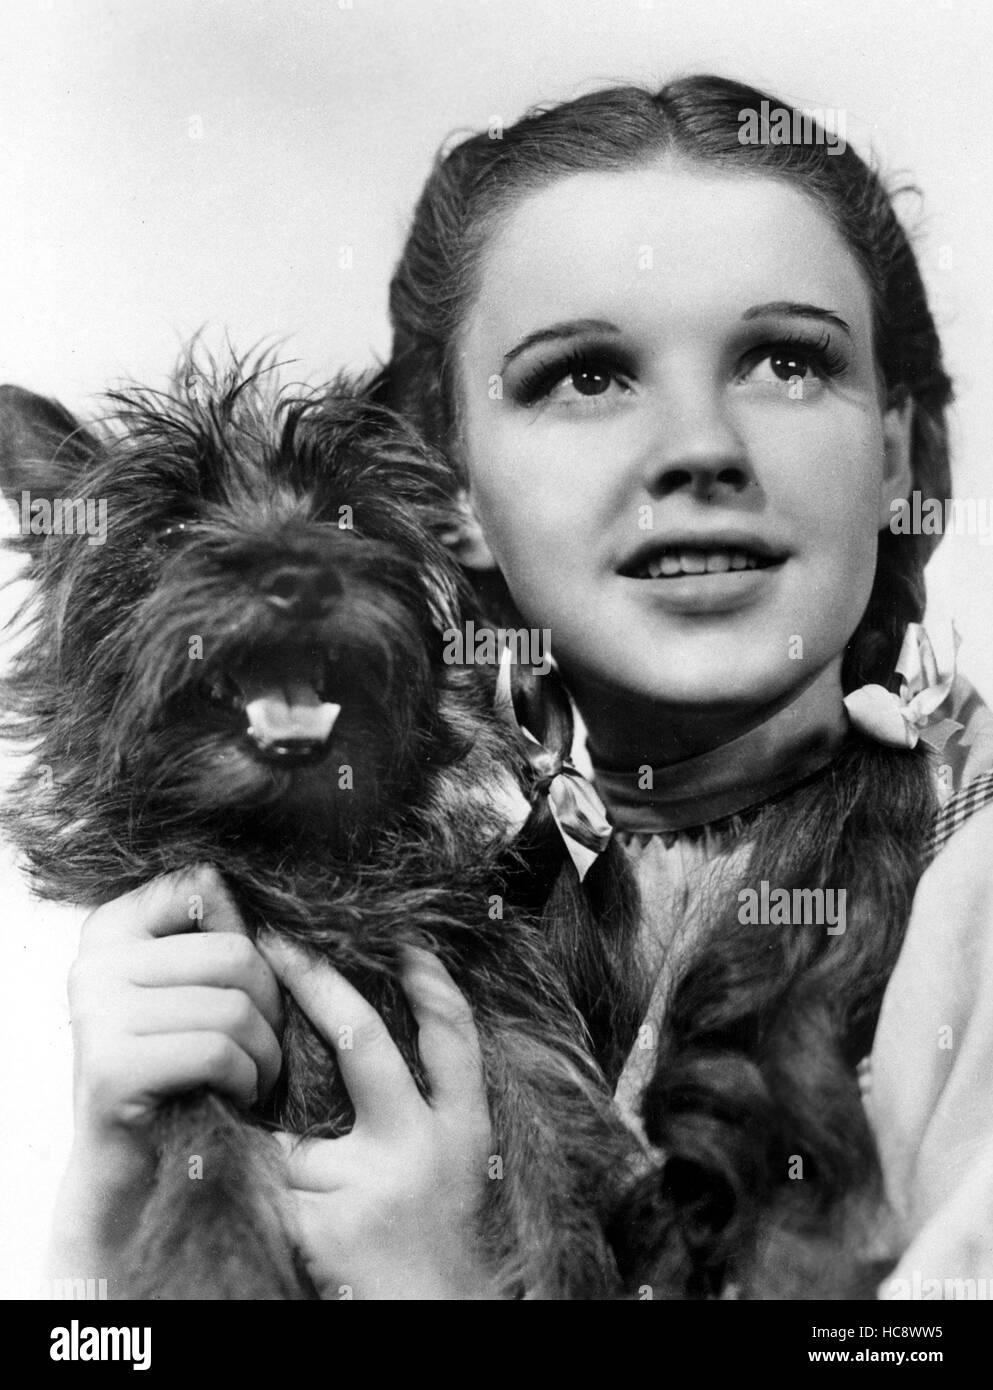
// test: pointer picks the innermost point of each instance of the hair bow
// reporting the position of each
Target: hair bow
(901, 719)
(576, 808)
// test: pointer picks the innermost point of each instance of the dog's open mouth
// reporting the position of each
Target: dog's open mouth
(279, 699)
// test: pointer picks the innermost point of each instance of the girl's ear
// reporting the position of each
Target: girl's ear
(898, 474)
(466, 539)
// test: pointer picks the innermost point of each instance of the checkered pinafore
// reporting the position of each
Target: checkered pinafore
(957, 809)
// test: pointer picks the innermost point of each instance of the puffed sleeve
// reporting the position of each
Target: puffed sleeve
(931, 1092)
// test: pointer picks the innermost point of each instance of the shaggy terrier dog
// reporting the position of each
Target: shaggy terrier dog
(243, 669)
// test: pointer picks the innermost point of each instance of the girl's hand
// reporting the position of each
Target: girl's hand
(167, 994)
(390, 1210)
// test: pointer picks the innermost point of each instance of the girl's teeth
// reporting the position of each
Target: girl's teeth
(698, 562)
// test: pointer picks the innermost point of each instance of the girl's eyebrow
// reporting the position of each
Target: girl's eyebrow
(571, 329)
(786, 308)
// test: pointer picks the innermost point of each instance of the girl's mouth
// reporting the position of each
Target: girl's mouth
(705, 576)
(671, 561)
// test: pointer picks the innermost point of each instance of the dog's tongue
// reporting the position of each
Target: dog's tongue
(289, 714)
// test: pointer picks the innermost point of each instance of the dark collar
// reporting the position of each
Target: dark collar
(786, 749)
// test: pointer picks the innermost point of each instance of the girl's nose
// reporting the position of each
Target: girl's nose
(695, 447)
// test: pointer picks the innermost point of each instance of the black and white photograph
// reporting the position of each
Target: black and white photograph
(496, 795)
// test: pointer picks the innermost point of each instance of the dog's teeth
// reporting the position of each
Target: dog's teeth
(294, 718)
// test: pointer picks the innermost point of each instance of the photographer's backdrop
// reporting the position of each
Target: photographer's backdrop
(250, 167)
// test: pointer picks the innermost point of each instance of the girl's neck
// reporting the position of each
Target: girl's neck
(705, 765)
(624, 735)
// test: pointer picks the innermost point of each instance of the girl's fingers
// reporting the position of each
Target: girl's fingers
(379, 1083)
(167, 1063)
(447, 1038)
(196, 1009)
(220, 959)
(188, 900)
(198, 937)
(314, 1165)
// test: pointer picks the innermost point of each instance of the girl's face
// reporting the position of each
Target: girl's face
(674, 436)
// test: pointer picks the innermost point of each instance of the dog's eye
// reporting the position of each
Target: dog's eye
(173, 536)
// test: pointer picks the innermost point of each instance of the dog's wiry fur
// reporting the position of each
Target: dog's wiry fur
(260, 544)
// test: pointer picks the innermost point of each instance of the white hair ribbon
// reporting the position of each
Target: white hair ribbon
(914, 714)
(576, 808)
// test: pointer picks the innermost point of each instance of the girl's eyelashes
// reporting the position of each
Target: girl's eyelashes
(584, 373)
(792, 357)
(592, 374)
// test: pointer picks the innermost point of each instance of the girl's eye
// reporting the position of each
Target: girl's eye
(788, 362)
(582, 375)
(590, 381)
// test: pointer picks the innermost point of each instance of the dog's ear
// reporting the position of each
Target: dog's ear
(42, 447)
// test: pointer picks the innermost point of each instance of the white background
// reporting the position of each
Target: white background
(173, 163)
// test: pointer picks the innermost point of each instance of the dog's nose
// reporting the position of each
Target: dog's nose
(301, 589)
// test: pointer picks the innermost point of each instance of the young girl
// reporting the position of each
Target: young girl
(684, 380)
(657, 353)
